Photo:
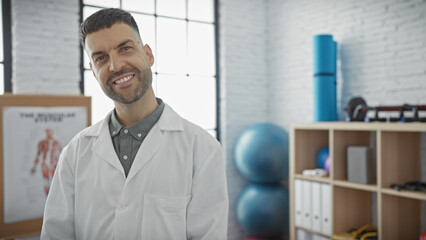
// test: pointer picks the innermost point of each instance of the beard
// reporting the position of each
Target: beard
(143, 82)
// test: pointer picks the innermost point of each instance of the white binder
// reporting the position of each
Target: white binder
(307, 204)
(316, 206)
(317, 237)
(327, 221)
(298, 202)
(303, 235)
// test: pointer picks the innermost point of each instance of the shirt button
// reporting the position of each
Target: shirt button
(139, 135)
(125, 157)
(122, 206)
(126, 131)
(114, 132)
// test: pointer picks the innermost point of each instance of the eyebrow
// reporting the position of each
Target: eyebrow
(118, 46)
(124, 43)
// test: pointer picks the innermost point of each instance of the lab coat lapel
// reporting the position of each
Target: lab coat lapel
(169, 121)
(104, 148)
(147, 150)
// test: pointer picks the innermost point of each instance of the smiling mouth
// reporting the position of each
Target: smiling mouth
(123, 80)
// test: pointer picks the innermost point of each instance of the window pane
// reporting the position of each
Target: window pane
(1, 79)
(193, 98)
(87, 11)
(145, 6)
(146, 25)
(103, 3)
(201, 49)
(171, 8)
(202, 10)
(154, 84)
(171, 46)
(101, 104)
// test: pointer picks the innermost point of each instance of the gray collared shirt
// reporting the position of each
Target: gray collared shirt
(127, 140)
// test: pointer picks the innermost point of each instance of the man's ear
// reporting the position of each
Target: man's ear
(149, 54)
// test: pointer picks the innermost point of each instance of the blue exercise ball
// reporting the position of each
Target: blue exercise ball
(262, 210)
(261, 153)
(322, 155)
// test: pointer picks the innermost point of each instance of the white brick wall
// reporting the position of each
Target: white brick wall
(45, 46)
(244, 95)
(382, 48)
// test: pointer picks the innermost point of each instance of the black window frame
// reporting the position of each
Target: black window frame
(7, 46)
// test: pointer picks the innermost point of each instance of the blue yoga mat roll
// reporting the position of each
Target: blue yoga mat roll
(325, 107)
(325, 54)
(334, 57)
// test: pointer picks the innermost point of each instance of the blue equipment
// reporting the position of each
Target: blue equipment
(325, 98)
(262, 210)
(261, 153)
(325, 84)
(325, 54)
(322, 156)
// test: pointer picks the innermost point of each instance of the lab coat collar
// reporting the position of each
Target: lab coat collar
(169, 121)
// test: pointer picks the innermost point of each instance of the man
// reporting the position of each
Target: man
(143, 172)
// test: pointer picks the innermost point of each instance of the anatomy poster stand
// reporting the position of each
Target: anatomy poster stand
(33, 131)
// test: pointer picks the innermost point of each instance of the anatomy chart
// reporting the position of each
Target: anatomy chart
(33, 138)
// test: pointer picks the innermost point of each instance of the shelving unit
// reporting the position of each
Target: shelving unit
(396, 154)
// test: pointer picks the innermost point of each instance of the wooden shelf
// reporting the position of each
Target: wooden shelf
(360, 126)
(396, 159)
(352, 208)
(405, 194)
(314, 232)
(400, 217)
(315, 179)
(365, 187)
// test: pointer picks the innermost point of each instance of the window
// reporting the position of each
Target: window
(181, 34)
(5, 47)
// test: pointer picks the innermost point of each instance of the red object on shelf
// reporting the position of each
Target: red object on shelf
(423, 236)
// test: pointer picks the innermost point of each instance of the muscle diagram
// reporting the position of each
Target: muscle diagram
(48, 150)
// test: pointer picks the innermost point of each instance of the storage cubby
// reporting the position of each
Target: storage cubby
(400, 157)
(308, 143)
(401, 218)
(396, 159)
(343, 139)
(352, 208)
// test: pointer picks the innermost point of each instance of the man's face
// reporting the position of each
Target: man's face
(120, 63)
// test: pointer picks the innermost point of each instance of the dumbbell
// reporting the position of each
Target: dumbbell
(357, 109)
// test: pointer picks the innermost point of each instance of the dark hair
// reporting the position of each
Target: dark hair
(105, 18)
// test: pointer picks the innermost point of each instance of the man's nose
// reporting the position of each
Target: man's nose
(116, 64)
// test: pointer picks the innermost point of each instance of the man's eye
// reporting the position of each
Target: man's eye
(100, 59)
(126, 48)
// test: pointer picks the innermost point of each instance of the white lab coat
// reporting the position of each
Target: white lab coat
(176, 188)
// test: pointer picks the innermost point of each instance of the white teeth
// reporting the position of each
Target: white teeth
(123, 80)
